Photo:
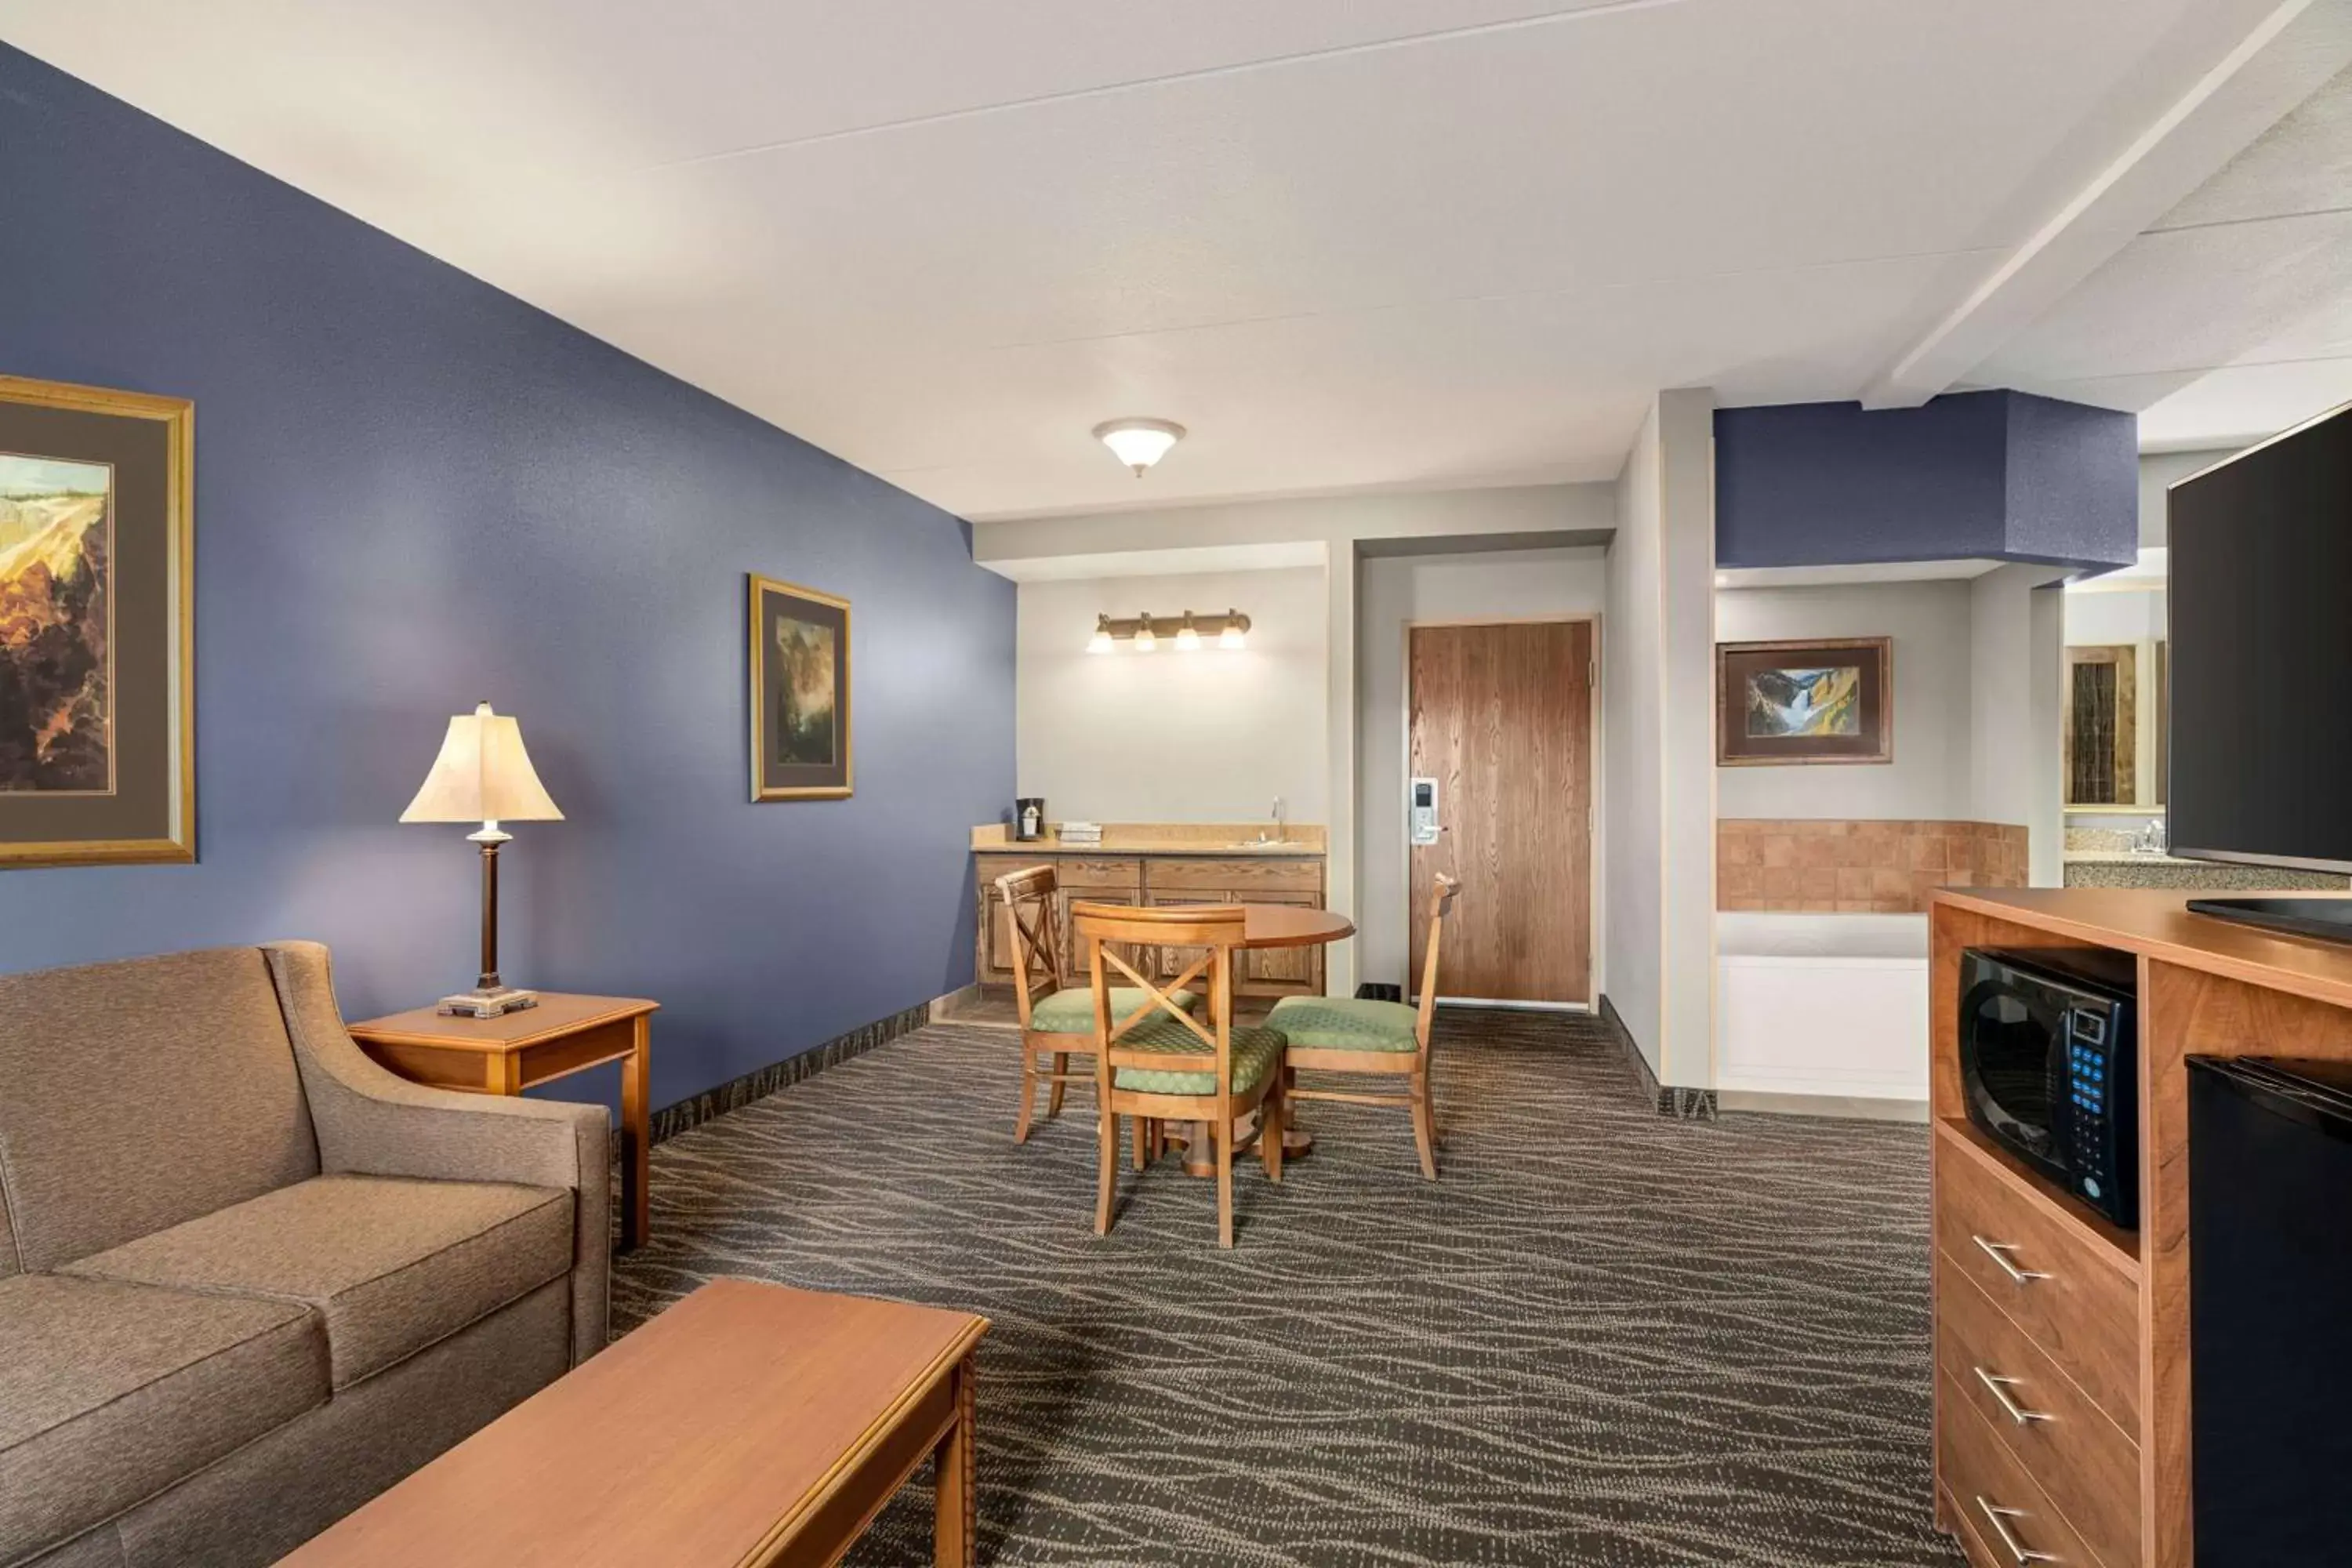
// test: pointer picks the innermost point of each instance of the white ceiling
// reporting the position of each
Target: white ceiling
(2230, 317)
(1351, 244)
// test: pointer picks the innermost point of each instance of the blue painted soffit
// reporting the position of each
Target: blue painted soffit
(1995, 475)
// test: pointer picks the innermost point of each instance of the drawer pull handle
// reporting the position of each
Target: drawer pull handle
(1999, 1251)
(1998, 1386)
(2019, 1552)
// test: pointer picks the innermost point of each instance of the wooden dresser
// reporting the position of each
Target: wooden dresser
(1143, 864)
(2062, 1343)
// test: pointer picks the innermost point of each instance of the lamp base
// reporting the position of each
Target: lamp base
(487, 1002)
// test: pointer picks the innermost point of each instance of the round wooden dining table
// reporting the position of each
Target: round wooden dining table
(1272, 925)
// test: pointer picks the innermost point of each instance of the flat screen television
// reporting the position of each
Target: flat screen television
(2260, 666)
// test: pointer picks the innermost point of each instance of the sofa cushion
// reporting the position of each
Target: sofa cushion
(1346, 1023)
(110, 1391)
(390, 1263)
(1073, 1012)
(1254, 1052)
(139, 1094)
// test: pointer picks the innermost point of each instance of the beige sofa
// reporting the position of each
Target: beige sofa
(248, 1277)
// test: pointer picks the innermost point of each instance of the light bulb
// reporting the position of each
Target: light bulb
(1188, 640)
(1100, 641)
(1233, 635)
(1145, 642)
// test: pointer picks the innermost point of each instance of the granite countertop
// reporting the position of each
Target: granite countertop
(1218, 841)
(1162, 847)
(2127, 869)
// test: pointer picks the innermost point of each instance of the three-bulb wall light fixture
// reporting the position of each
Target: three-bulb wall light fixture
(1147, 630)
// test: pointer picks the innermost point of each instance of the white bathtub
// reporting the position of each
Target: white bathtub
(1821, 1005)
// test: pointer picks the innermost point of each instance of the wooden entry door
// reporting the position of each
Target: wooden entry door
(1501, 717)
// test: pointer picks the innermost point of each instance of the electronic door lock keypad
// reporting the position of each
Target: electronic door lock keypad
(1422, 798)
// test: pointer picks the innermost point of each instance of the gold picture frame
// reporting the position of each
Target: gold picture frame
(801, 693)
(139, 807)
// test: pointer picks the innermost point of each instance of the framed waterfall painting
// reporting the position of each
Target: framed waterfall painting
(800, 693)
(96, 642)
(1815, 701)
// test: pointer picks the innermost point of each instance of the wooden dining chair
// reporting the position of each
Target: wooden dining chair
(1057, 1023)
(1158, 1063)
(1386, 1039)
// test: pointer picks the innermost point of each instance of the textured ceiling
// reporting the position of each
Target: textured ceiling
(2232, 316)
(1351, 244)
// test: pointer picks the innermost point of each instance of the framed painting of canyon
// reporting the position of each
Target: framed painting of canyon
(97, 644)
(1817, 701)
(800, 693)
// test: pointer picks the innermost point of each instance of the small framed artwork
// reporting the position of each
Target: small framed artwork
(1815, 701)
(800, 693)
(97, 637)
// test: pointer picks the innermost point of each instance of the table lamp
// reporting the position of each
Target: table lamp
(483, 774)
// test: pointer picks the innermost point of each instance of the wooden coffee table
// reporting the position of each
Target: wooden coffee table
(749, 1425)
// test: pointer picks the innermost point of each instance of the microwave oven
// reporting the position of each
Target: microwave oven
(2050, 1065)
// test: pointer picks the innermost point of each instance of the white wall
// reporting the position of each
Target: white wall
(2015, 742)
(2102, 618)
(1393, 592)
(1575, 514)
(1632, 920)
(2157, 469)
(1212, 736)
(1658, 795)
(1929, 777)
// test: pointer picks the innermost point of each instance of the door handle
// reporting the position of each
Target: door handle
(1998, 1386)
(1998, 1252)
(1999, 1517)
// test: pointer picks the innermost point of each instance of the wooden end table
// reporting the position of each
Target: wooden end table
(516, 1051)
(750, 1425)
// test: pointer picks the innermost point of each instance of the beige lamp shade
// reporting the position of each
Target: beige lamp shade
(482, 775)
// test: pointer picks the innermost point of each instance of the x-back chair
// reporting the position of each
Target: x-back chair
(1057, 1023)
(1156, 1062)
(1386, 1039)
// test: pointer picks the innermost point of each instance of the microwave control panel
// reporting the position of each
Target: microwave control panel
(2086, 1063)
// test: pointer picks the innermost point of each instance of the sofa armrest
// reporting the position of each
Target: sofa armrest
(372, 1121)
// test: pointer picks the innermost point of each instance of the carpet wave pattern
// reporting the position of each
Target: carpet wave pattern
(1602, 1338)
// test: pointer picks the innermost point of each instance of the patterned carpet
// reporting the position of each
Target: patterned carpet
(1601, 1339)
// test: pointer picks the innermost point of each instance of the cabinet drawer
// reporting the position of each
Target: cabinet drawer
(1972, 1545)
(1993, 1493)
(1100, 876)
(2087, 1467)
(1218, 878)
(2053, 1279)
(992, 867)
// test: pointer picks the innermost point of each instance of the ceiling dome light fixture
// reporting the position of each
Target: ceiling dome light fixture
(1138, 443)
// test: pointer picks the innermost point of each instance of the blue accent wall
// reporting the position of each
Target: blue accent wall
(1997, 474)
(414, 492)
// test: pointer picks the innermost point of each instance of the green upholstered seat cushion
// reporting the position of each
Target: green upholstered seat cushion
(1073, 1012)
(1345, 1024)
(1255, 1050)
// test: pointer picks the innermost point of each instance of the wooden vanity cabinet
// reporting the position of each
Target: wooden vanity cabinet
(1145, 879)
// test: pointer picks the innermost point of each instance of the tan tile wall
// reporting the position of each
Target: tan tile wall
(1839, 866)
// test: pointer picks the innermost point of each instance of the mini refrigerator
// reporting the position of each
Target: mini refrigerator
(2270, 1310)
